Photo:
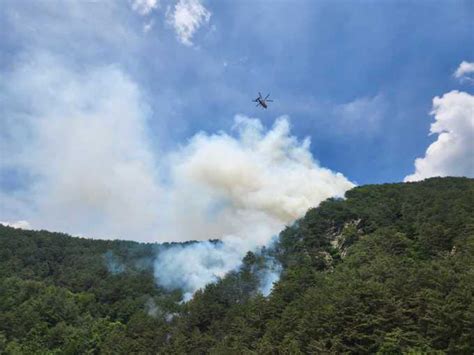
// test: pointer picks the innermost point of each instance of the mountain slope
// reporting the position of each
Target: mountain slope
(389, 269)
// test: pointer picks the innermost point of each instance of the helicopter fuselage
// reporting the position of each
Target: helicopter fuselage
(262, 101)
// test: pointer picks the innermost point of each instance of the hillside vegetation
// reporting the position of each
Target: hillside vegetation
(389, 269)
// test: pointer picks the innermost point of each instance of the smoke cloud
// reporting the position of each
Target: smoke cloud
(269, 276)
(241, 189)
(250, 184)
(192, 266)
(79, 140)
(113, 264)
(86, 156)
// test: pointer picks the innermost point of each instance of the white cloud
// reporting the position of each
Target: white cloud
(186, 18)
(17, 224)
(452, 154)
(465, 71)
(144, 7)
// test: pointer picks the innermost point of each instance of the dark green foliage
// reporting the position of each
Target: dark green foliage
(74, 295)
(388, 270)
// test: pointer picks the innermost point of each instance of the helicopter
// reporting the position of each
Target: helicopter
(262, 101)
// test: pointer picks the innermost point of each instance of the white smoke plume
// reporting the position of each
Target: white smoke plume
(270, 272)
(152, 309)
(82, 139)
(241, 189)
(192, 266)
(114, 266)
(269, 276)
(248, 184)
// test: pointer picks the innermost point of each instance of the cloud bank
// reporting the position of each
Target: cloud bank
(452, 152)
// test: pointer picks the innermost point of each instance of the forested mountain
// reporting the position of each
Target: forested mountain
(389, 269)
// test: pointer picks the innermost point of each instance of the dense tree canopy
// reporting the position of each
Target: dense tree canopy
(389, 269)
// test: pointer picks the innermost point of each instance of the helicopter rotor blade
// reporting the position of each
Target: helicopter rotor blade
(259, 95)
(266, 97)
(269, 100)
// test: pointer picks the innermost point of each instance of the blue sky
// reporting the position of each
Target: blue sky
(313, 56)
(357, 77)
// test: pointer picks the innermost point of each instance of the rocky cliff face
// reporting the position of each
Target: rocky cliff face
(346, 236)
